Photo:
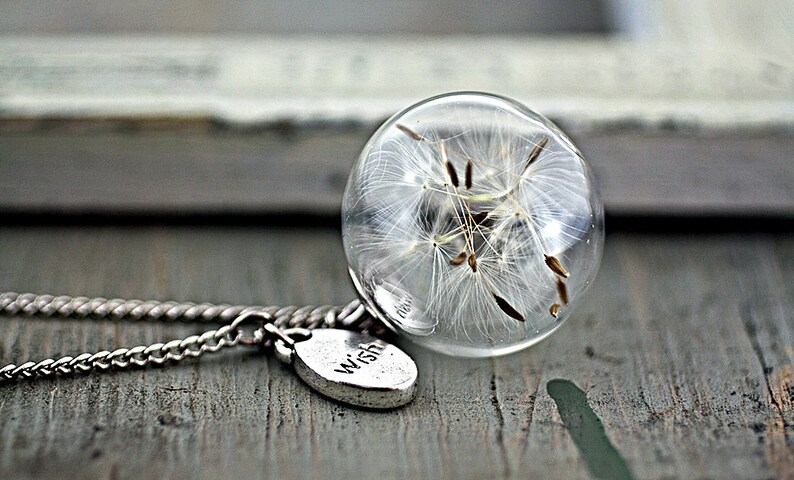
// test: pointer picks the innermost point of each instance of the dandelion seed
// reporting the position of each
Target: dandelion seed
(535, 153)
(479, 217)
(556, 266)
(562, 290)
(473, 262)
(507, 308)
(469, 167)
(453, 175)
(411, 133)
(554, 310)
(459, 259)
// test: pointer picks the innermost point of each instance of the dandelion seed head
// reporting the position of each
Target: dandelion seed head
(458, 217)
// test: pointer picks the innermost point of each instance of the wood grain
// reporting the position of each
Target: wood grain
(183, 173)
(692, 65)
(684, 350)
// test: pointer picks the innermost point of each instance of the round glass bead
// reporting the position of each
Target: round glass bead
(471, 224)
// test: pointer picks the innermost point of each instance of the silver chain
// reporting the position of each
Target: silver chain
(351, 316)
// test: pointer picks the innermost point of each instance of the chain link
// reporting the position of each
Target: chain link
(350, 316)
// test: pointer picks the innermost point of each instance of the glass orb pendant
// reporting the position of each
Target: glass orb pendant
(471, 225)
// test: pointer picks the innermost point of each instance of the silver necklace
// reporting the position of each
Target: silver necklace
(471, 227)
(327, 346)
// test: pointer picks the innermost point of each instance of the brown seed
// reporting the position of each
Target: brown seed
(507, 308)
(453, 175)
(479, 217)
(459, 259)
(410, 133)
(554, 310)
(469, 167)
(473, 262)
(562, 290)
(535, 153)
(556, 266)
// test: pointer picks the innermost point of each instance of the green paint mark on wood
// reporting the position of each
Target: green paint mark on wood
(601, 457)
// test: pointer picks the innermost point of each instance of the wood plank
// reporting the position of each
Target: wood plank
(684, 351)
(302, 17)
(583, 82)
(231, 172)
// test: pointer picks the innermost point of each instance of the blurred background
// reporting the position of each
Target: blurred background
(684, 108)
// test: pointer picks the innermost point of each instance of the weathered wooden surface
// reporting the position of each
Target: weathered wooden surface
(684, 351)
(705, 67)
(219, 172)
